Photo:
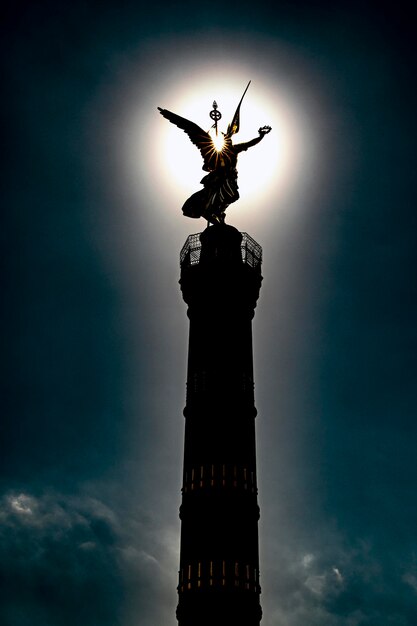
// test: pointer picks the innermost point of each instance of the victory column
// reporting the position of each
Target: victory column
(220, 282)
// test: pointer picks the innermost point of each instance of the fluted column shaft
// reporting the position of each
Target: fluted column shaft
(219, 562)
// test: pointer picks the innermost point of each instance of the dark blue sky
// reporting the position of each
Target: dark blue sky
(95, 331)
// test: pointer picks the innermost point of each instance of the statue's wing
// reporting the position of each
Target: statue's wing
(198, 136)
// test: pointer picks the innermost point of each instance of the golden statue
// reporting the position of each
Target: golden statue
(220, 161)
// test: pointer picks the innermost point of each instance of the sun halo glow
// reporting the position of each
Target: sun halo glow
(268, 173)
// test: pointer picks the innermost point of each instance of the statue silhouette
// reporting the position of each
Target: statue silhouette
(220, 184)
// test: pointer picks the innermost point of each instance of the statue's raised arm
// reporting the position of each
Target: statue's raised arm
(220, 161)
(242, 147)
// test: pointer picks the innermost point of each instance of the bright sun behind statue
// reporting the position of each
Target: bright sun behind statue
(218, 140)
(271, 176)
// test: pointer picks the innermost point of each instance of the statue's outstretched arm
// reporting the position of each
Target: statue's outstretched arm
(241, 147)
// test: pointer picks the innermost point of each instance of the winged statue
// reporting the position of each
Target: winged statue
(220, 188)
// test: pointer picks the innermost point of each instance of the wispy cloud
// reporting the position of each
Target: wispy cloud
(73, 559)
